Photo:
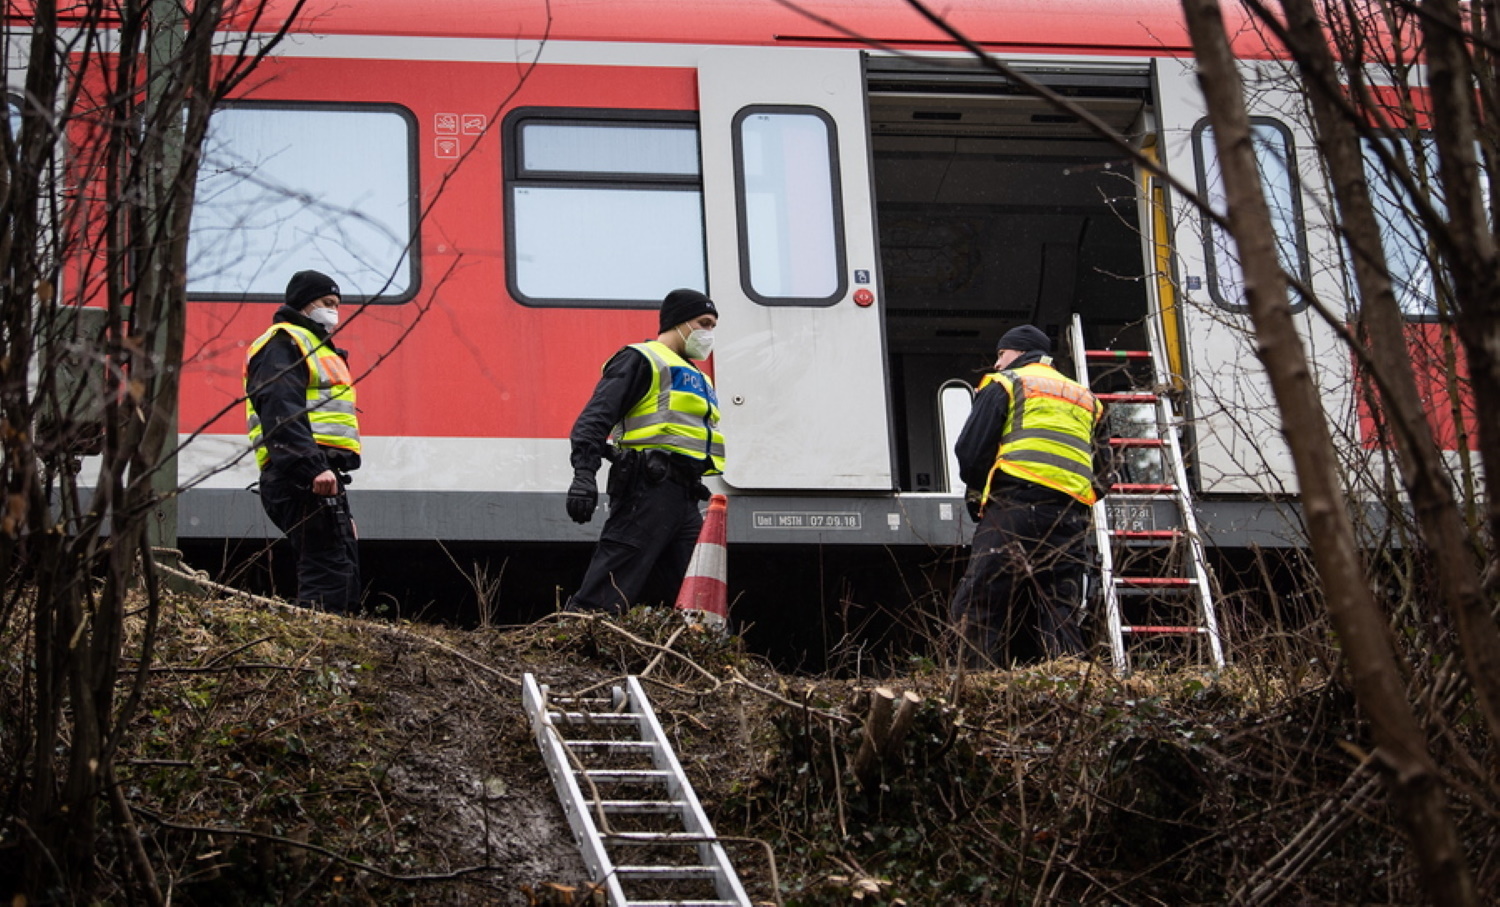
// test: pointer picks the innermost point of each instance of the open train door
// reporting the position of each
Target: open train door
(799, 359)
(1239, 447)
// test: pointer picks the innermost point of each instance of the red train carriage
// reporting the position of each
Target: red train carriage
(512, 187)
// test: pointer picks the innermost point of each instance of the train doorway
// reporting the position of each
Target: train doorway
(994, 209)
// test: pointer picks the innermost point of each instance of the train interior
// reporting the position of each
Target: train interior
(994, 210)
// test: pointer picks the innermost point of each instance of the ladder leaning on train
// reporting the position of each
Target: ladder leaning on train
(1154, 578)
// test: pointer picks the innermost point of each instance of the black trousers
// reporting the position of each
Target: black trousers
(321, 531)
(1028, 560)
(644, 550)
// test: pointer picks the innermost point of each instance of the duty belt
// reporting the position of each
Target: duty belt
(689, 474)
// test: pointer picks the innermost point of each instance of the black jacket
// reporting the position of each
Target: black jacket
(277, 383)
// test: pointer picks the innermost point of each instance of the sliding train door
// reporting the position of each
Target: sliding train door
(799, 359)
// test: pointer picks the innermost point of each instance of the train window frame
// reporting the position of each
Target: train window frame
(520, 177)
(1418, 304)
(347, 277)
(747, 243)
(1216, 243)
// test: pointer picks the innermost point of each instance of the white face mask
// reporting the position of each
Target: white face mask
(699, 344)
(328, 318)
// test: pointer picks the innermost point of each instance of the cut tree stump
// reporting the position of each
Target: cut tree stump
(886, 725)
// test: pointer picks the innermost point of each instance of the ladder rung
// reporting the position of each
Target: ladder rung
(1146, 534)
(682, 903)
(1170, 581)
(1137, 442)
(1117, 354)
(1128, 398)
(1178, 631)
(639, 746)
(647, 807)
(600, 718)
(625, 776)
(655, 837)
(668, 872)
(1136, 490)
(606, 701)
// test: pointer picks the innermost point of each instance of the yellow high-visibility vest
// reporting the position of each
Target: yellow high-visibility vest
(680, 412)
(1049, 431)
(330, 393)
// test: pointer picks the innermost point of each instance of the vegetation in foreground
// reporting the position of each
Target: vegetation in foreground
(282, 756)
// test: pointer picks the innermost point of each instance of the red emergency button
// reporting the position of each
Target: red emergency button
(863, 297)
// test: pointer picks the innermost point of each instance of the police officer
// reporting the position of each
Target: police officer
(1026, 455)
(299, 402)
(662, 415)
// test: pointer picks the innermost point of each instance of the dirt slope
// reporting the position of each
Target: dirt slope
(287, 757)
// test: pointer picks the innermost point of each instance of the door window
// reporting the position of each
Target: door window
(787, 183)
(1275, 158)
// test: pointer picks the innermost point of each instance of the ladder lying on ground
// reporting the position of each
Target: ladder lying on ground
(1173, 597)
(624, 793)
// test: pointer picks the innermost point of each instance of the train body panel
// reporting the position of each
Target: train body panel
(1079, 27)
(512, 186)
(1238, 444)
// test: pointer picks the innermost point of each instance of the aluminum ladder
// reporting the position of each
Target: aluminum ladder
(637, 821)
(1160, 570)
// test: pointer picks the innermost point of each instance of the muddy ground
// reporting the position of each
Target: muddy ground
(287, 757)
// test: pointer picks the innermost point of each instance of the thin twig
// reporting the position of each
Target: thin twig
(318, 849)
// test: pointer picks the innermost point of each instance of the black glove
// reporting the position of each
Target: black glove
(583, 496)
(974, 502)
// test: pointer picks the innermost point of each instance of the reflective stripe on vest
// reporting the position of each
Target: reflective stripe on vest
(330, 393)
(680, 412)
(1049, 431)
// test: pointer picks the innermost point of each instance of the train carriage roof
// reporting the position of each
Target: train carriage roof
(1152, 27)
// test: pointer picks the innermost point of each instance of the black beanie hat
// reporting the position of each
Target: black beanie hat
(684, 305)
(305, 286)
(1024, 339)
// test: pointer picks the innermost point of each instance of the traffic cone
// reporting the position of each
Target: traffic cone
(705, 589)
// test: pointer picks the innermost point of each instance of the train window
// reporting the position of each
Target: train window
(1402, 236)
(283, 187)
(1278, 175)
(609, 148)
(605, 207)
(791, 231)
